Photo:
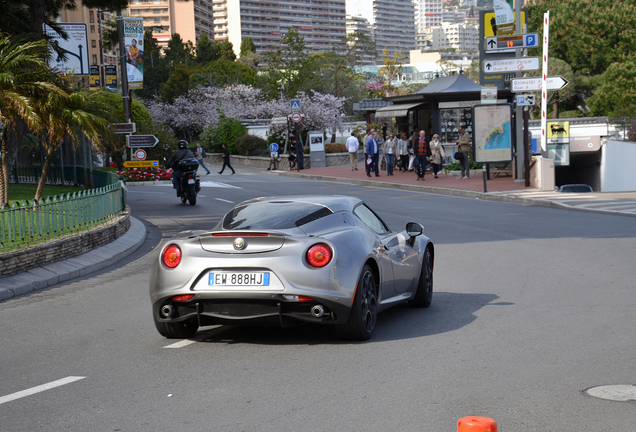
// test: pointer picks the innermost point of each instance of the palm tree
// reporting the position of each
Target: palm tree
(24, 76)
(64, 115)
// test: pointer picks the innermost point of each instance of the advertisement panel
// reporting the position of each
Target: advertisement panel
(111, 77)
(134, 44)
(73, 53)
(492, 133)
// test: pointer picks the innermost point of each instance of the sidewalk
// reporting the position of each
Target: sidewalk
(498, 189)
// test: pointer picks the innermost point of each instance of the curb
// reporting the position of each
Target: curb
(41, 277)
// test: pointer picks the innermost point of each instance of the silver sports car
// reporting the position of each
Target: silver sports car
(289, 260)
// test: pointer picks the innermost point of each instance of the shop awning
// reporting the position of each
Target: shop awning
(398, 110)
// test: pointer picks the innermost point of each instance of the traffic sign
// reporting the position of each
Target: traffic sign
(141, 164)
(498, 43)
(140, 154)
(273, 147)
(510, 64)
(530, 84)
(295, 105)
(296, 117)
(123, 128)
(133, 141)
(525, 100)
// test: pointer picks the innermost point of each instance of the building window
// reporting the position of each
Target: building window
(92, 29)
(91, 16)
(94, 59)
(93, 43)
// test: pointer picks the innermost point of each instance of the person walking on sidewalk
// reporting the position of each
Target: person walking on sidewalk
(403, 152)
(352, 147)
(422, 153)
(226, 160)
(437, 154)
(373, 152)
(389, 149)
(463, 147)
(298, 148)
(199, 155)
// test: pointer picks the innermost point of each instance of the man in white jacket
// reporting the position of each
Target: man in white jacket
(352, 146)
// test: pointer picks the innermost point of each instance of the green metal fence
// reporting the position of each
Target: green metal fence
(67, 176)
(33, 221)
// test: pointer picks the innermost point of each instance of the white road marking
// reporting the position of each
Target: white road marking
(40, 388)
(141, 191)
(180, 344)
(221, 199)
(218, 184)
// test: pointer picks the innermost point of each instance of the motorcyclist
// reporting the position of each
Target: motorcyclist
(182, 153)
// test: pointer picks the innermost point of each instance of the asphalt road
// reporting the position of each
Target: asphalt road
(532, 305)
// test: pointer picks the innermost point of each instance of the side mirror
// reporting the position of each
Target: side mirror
(413, 229)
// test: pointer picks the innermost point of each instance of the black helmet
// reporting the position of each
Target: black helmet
(183, 144)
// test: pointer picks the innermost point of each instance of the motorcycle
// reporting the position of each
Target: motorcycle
(189, 184)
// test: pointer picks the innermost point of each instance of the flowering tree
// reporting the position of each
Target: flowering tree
(202, 107)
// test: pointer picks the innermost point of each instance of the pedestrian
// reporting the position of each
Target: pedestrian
(372, 152)
(384, 131)
(437, 154)
(463, 147)
(352, 146)
(199, 156)
(422, 152)
(389, 149)
(226, 160)
(274, 159)
(403, 152)
(298, 148)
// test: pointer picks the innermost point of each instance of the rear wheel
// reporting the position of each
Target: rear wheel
(184, 197)
(364, 311)
(192, 195)
(424, 294)
(177, 330)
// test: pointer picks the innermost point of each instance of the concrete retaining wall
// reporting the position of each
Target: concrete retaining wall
(50, 251)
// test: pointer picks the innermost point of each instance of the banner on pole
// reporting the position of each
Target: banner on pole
(134, 43)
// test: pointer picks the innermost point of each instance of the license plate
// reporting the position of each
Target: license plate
(238, 279)
(191, 181)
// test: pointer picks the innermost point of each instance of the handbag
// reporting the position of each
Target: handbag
(399, 163)
(383, 165)
(459, 155)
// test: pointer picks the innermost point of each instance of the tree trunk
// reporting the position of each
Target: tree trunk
(555, 109)
(45, 172)
(38, 15)
(4, 169)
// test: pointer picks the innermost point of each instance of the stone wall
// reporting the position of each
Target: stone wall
(333, 159)
(50, 251)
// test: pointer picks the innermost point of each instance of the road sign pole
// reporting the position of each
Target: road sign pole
(519, 154)
(544, 84)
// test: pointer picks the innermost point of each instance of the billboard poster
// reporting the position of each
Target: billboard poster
(93, 80)
(111, 77)
(492, 133)
(75, 49)
(134, 44)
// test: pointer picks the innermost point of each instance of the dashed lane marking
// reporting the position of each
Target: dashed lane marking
(39, 389)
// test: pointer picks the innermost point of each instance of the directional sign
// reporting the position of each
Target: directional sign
(525, 100)
(295, 105)
(296, 117)
(511, 64)
(499, 43)
(123, 128)
(273, 147)
(530, 84)
(141, 141)
(139, 164)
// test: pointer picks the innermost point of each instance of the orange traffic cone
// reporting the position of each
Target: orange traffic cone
(476, 424)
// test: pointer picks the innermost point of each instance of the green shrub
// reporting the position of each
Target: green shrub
(225, 132)
(335, 148)
(246, 143)
(457, 166)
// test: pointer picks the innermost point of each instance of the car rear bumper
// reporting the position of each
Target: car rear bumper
(272, 310)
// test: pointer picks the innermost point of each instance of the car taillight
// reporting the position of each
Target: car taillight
(182, 298)
(171, 256)
(319, 255)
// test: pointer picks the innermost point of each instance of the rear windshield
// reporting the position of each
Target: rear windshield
(273, 215)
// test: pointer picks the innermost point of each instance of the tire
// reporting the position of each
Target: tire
(184, 198)
(424, 294)
(364, 312)
(192, 195)
(177, 330)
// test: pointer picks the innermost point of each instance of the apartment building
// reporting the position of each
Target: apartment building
(321, 23)
(462, 37)
(391, 21)
(428, 13)
(166, 17)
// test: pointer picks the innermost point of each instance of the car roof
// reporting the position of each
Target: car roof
(335, 203)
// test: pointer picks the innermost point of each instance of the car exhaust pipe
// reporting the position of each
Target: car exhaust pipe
(167, 311)
(318, 311)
